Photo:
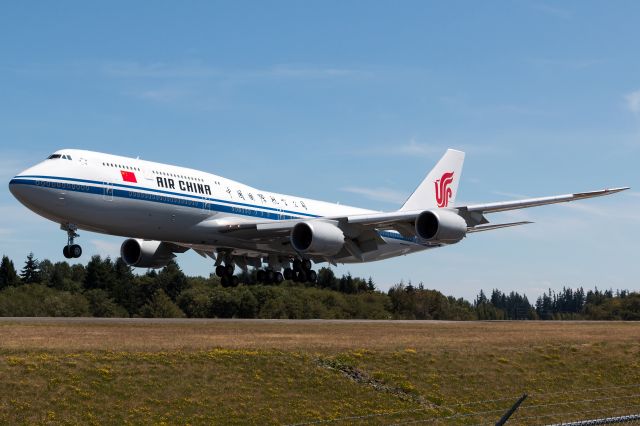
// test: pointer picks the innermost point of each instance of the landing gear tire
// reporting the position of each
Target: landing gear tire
(228, 270)
(312, 276)
(302, 276)
(288, 274)
(229, 281)
(297, 265)
(306, 265)
(278, 278)
(75, 251)
(270, 277)
(219, 270)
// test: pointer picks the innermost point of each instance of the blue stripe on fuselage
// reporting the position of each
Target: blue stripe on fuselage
(133, 192)
(160, 191)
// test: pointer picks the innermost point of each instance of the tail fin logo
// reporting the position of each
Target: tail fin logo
(443, 192)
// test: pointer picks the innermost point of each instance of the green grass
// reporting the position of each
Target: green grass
(276, 381)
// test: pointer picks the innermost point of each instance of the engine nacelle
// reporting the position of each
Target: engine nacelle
(441, 226)
(146, 253)
(317, 237)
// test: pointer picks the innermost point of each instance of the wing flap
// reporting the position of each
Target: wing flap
(496, 226)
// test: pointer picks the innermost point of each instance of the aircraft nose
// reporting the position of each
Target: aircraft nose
(17, 189)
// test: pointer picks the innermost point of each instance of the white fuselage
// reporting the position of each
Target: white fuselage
(141, 199)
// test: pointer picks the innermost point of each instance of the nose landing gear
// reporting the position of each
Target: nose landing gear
(71, 250)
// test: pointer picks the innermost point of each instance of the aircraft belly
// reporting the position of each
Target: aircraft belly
(392, 248)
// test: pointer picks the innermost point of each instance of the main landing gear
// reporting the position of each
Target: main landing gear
(298, 270)
(71, 250)
(300, 273)
(225, 272)
(269, 276)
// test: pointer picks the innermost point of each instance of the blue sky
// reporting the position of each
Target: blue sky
(351, 102)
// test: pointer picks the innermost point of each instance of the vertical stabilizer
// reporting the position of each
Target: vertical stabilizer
(439, 188)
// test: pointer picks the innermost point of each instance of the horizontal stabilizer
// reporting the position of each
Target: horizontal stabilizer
(496, 226)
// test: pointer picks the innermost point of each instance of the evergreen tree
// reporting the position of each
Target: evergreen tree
(8, 274)
(100, 274)
(370, 285)
(172, 280)
(30, 272)
(347, 284)
(46, 271)
(125, 292)
(161, 306)
(327, 279)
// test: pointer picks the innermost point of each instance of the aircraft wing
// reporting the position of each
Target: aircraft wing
(474, 214)
(533, 202)
(401, 221)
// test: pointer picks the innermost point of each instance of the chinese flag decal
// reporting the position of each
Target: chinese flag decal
(128, 176)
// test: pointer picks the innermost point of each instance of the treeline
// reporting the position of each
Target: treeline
(106, 288)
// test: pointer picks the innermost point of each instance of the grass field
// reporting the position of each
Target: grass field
(86, 371)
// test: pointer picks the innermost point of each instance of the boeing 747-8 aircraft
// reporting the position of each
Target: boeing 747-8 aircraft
(164, 210)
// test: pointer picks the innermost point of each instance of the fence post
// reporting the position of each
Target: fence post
(511, 410)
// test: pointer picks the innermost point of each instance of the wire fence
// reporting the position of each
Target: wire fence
(585, 406)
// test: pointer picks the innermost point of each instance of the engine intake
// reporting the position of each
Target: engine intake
(442, 226)
(317, 237)
(145, 253)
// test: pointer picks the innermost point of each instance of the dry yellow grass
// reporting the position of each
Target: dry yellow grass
(85, 371)
(158, 335)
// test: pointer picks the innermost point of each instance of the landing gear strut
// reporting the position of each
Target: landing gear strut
(71, 250)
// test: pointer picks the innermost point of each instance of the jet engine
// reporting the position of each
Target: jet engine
(146, 253)
(440, 226)
(317, 238)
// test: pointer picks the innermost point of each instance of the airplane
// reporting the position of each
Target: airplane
(164, 209)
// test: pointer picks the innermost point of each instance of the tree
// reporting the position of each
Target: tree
(8, 275)
(100, 274)
(101, 305)
(31, 272)
(160, 306)
(46, 272)
(124, 290)
(327, 279)
(172, 280)
(370, 285)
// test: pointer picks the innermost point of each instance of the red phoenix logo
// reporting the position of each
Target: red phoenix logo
(443, 192)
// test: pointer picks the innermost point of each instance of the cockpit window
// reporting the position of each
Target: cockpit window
(54, 156)
(68, 157)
